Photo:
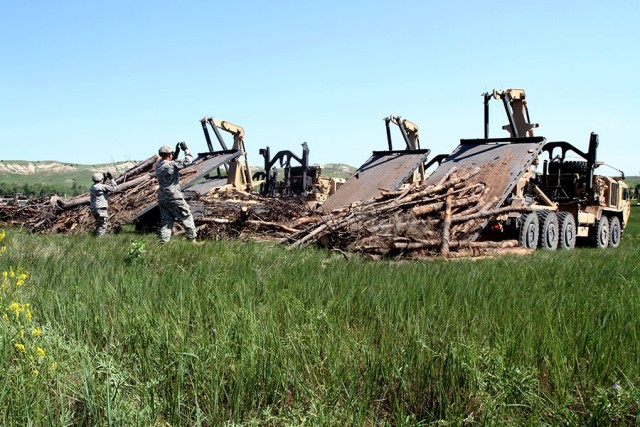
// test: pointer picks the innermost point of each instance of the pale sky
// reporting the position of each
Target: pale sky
(96, 82)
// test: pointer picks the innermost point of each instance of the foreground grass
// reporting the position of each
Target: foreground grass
(251, 334)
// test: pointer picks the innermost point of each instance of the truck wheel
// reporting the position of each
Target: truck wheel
(528, 232)
(600, 233)
(574, 166)
(615, 232)
(548, 230)
(567, 226)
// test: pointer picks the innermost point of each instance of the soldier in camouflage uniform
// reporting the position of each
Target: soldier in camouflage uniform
(170, 198)
(99, 205)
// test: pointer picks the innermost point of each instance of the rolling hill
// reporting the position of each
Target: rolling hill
(76, 178)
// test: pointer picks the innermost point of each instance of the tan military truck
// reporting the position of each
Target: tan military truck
(555, 200)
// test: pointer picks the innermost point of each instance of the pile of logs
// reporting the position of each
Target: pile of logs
(420, 221)
(219, 215)
(239, 215)
(443, 219)
(136, 189)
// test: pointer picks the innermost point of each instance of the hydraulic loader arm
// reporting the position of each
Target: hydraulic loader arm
(409, 131)
(235, 130)
(515, 105)
(229, 127)
(239, 175)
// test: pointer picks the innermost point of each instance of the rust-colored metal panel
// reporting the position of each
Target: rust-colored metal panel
(384, 171)
(201, 168)
(501, 162)
(204, 187)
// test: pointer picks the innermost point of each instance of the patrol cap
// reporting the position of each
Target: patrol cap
(97, 177)
(165, 149)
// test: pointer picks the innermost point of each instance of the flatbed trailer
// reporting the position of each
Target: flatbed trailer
(384, 171)
(501, 164)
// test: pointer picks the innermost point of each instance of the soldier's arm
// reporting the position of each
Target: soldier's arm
(188, 158)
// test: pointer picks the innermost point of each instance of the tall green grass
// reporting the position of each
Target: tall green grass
(255, 334)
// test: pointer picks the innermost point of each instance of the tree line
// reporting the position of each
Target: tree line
(34, 191)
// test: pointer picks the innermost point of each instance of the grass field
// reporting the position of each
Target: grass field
(122, 331)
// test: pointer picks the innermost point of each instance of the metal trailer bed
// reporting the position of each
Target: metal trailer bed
(502, 162)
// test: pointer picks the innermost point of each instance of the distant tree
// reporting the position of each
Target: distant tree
(75, 188)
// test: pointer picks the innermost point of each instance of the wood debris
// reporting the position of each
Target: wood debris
(421, 221)
(221, 214)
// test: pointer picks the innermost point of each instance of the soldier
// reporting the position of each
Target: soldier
(99, 204)
(170, 198)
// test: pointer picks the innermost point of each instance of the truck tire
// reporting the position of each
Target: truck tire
(600, 233)
(571, 166)
(548, 230)
(567, 227)
(574, 166)
(615, 232)
(528, 231)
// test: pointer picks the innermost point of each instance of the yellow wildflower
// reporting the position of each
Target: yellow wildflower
(21, 333)
(12, 273)
(21, 279)
(40, 352)
(28, 313)
(36, 332)
(1, 235)
(19, 347)
(16, 308)
(54, 366)
(5, 317)
(5, 278)
(35, 372)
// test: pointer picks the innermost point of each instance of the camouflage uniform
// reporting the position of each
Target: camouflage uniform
(99, 205)
(171, 200)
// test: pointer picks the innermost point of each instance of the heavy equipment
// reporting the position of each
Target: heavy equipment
(304, 180)
(384, 170)
(198, 178)
(238, 172)
(555, 202)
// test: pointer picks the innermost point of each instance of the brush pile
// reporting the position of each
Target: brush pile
(136, 189)
(232, 214)
(223, 213)
(420, 221)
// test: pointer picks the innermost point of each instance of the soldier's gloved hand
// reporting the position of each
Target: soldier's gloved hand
(177, 150)
(183, 145)
(108, 175)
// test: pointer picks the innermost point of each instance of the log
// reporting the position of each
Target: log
(275, 225)
(214, 220)
(491, 252)
(494, 212)
(86, 199)
(444, 186)
(432, 243)
(420, 244)
(446, 226)
(487, 244)
(309, 236)
(397, 225)
(442, 180)
(139, 168)
(434, 207)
